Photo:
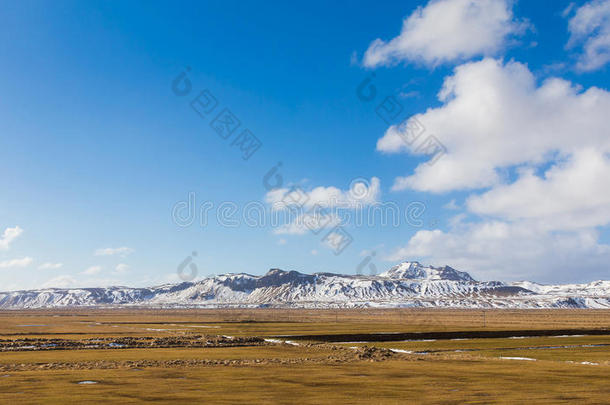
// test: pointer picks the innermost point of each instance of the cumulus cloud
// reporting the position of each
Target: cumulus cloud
(512, 251)
(494, 116)
(361, 192)
(306, 211)
(90, 271)
(308, 222)
(571, 195)
(590, 28)
(15, 263)
(50, 266)
(448, 30)
(535, 158)
(121, 251)
(8, 236)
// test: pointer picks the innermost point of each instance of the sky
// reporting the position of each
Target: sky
(137, 138)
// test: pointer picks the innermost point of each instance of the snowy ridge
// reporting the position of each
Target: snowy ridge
(408, 284)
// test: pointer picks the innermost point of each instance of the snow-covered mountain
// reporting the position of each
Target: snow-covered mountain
(408, 284)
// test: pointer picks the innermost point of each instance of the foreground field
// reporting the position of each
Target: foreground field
(273, 356)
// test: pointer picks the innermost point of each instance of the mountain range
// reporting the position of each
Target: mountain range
(408, 284)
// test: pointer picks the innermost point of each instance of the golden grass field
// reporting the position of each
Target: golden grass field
(181, 356)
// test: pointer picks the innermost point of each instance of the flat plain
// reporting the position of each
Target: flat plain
(392, 356)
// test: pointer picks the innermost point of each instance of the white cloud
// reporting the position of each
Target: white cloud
(511, 251)
(308, 222)
(448, 30)
(572, 194)
(8, 236)
(14, 263)
(360, 193)
(90, 271)
(536, 159)
(121, 251)
(50, 266)
(121, 268)
(63, 281)
(590, 27)
(306, 210)
(494, 116)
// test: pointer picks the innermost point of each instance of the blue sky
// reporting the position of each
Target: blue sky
(96, 149)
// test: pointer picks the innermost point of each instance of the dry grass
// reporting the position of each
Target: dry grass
(95, 322)
(399, 382)
(305, 374)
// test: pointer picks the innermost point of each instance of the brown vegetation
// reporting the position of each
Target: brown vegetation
(229, 356)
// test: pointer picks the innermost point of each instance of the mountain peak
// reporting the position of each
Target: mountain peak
(406, 284)
(275, 277)
(275, 272)
(415, 270)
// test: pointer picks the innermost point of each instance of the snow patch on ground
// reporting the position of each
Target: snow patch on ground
(567, 336)
(278, 341)
(518, 358)
(401, 351)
